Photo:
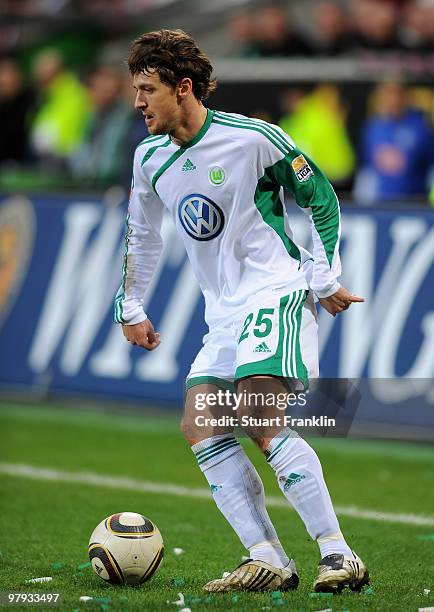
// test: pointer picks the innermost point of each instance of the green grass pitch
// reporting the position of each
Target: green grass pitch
(46, 524)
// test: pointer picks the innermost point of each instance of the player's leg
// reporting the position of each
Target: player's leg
(293, 356)
(235, 484)
(300, 478)
(297, 467)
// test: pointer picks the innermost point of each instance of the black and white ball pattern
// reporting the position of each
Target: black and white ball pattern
(126, 548)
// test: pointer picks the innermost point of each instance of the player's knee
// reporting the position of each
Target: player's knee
(259, 439)
(253, 427)
(189, 430)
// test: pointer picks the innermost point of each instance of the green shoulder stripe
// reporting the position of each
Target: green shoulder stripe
(150, 152)
(254, 128)
(282, 138)
(150, 139)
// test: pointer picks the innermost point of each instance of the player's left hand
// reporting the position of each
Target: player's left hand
(142, 334)
(339, 301)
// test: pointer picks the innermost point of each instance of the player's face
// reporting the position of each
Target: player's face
(157, 102)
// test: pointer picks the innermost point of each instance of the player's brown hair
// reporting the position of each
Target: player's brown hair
(174, 55)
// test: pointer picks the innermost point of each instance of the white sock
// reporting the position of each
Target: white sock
(239, 494)
(301, 480)
(332, 544)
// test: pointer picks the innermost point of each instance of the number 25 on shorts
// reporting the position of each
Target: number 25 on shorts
(262, 326)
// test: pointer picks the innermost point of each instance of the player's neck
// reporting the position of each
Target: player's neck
(190, 124)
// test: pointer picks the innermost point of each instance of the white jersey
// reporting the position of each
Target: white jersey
(224, 192)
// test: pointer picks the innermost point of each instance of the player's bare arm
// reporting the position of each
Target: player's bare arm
(339, 301)
(142, 334)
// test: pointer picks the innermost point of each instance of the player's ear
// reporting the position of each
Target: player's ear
(185, 87)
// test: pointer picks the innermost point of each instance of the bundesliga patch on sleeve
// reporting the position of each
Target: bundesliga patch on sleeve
(302, 170)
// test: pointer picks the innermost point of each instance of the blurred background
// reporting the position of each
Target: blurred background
(350, 81)
(89, 423)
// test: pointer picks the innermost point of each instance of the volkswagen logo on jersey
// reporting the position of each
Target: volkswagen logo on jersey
(201, 218)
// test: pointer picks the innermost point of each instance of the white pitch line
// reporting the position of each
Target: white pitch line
(120, 482)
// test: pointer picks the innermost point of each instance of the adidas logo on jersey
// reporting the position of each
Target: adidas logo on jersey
(292, 480)
(262, 348)
(188, 166)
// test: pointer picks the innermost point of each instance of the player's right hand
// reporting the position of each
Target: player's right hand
(142, 334)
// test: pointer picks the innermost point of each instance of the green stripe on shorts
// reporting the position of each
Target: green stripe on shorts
(287, 361)
(221, 383)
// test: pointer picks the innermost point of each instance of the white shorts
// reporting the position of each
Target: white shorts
(277, 336)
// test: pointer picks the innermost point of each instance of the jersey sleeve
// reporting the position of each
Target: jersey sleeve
(143, 246)
(290, 168)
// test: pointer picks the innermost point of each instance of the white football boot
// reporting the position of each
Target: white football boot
(338, 571)
(256, 576)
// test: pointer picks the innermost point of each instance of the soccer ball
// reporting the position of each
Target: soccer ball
(126, 548)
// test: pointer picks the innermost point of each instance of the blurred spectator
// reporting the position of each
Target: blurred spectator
(102, 157)
(16, 103)
(102, 7)
(34, 7)
(316, 123)
(331, 28)
(375, 25)
(241, 26)
(397, 148)
(137, 132)
(275, 35)
(417, 33)
(59, 125)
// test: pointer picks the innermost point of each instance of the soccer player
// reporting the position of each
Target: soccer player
(221, 177)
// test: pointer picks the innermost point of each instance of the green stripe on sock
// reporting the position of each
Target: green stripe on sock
(277, 449)
(217, 452)
(213, 447)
